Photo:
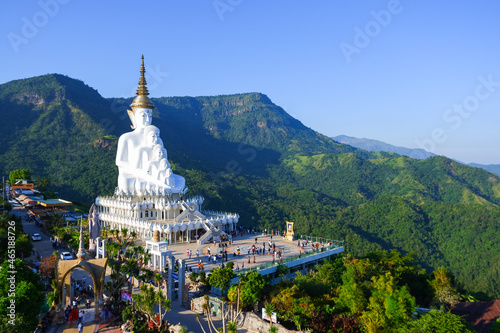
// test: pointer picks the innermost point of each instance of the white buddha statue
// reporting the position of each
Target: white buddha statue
(128, 151)
(165, 177)
(140, 153)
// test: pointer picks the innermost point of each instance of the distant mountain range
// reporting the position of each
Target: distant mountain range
(376, 145)
(245, 154)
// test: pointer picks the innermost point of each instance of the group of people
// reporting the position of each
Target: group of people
(72, 314)
(201, 266)
(56, 244)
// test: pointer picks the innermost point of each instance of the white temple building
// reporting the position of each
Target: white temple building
(149, 196)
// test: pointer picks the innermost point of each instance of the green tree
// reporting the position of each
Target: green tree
(282, 270)
(42, 183)
(269, 309)
(495, 328)
(439, 322)
(251, 287)
(17, 174)
(147, 300)
(27, 293)
(11, 229)
(351, 294)
(221, 278)
(389, 307)
(23, 246)
(232, 327)
(445, 292)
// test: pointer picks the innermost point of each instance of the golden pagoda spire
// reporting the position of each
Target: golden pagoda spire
(142, 89)
(142, 100)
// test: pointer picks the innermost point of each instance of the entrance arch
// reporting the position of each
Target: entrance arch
(97, 270)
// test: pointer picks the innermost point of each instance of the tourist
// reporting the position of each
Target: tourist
(197, 253)
(80, 316)
(189, 254)
(80, 327)
(67, 312)
(88, 303)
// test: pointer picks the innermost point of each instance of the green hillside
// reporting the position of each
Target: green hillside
(247, 155)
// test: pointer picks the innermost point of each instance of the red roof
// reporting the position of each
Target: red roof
(480, 314)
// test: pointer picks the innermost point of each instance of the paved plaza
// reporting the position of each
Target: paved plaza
(245, 259)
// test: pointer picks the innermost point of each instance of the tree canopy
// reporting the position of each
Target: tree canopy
(19, 283)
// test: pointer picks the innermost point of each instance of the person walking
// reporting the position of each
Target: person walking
(80, 328)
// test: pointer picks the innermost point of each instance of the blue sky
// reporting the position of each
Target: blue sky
(410, 73)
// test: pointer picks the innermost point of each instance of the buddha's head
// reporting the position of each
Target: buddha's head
(163, 164)
(158, 152)
(141, 118)
(152, 135)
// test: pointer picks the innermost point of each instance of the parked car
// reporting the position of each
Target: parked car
(36, 237)
(66, 256)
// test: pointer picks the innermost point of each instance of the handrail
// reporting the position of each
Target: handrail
(335, 245)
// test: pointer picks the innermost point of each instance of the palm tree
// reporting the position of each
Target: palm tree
(232, 327)
(158, 279)
(53, 297)
(146, 301)
(269, 308)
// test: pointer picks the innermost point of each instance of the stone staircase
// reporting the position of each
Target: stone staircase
(213, 232)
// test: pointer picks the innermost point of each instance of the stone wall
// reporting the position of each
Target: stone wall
(247, 320)
(254, 323)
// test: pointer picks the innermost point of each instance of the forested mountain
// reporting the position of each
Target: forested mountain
(247, 155)
(376, 145)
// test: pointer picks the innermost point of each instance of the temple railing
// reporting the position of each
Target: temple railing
(335, 244)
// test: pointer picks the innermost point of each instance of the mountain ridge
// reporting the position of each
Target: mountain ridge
(376, 145)
(268, 167)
